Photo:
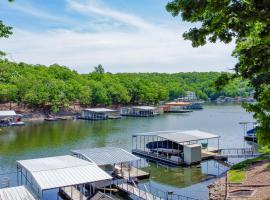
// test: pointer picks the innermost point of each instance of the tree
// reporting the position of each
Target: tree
(247, 22)
(5, 31)
(99, 69)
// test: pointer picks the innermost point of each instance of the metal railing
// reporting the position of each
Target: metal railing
(238, 152)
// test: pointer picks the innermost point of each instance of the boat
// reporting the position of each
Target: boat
(251, 135)
(51, 118)
(17, 123)
(62, 118)
(164, 146)
(114, 117)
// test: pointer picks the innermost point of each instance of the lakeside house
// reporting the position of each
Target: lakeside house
(139, 111)
(10, 118)
(97, 113)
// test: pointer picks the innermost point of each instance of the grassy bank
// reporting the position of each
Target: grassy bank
(237, 174)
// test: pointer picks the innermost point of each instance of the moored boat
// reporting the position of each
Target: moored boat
(251, 135)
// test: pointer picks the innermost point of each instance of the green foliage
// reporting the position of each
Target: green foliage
(99, 69)
(246, 163)
(56, 87)
(236, 176)
(247, 23)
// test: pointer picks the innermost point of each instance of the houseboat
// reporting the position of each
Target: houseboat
(139, 111)
(10, 118)
(176, 107)
(97, 114)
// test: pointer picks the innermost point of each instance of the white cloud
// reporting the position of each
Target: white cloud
(93, 7)
(148, 48)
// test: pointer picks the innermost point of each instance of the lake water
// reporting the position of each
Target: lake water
(40, 139)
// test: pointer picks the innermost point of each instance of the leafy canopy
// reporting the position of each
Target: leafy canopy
(247, 22)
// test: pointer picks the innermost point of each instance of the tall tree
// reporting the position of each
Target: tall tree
(99, 69)
(5, 31)
(247, 22)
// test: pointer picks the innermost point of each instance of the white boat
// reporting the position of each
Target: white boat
(19, 123)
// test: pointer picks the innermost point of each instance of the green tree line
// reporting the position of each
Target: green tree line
(57, 87)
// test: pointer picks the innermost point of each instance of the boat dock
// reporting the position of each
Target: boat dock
(175, 147)
(132, 190)
(115, 161)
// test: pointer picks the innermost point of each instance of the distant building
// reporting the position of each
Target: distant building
(190, 96)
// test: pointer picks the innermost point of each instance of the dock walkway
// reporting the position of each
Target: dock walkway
(131, 172)
(238, 153)
(101, 196)
(71, 193)
(130, 189)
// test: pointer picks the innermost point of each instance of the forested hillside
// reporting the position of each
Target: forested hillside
(56, 87)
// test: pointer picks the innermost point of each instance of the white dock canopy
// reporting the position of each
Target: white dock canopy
(181, 136)
(61, 171)
(16, 193)
(8, 113)
(99, 110)
(106, 155)
(144, 107)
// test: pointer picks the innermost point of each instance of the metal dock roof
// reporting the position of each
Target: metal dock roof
(106, 155)
(99, 110)
(16, 193)
(144, 107)
(60, 171)
(181, 136)
(8, 113)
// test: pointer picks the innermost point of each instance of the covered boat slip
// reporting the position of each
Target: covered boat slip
(175, 147)
(66, 173)
(98, 114)
(17, 193)
(115, 161)
(10, 118)
(139, 111)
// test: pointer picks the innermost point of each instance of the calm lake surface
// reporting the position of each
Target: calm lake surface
(40, 139)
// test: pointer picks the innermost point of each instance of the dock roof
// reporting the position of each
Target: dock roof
(181, 136)
(106, 155)
(180, 103)
(8, 113)
(16, 193)
(99, 110)
(144, 107)
(60, 171)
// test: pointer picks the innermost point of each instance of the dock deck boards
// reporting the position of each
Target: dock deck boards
(100, 196)
(71, 193)
(134, 172)
(137, 192)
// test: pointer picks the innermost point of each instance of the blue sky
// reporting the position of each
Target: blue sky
(122, 35)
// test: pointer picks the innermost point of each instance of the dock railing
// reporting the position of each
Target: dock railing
(169, 195)
(238, 152)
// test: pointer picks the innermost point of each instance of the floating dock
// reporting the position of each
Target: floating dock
(131, 172)
(139, 111)
(175, 147)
